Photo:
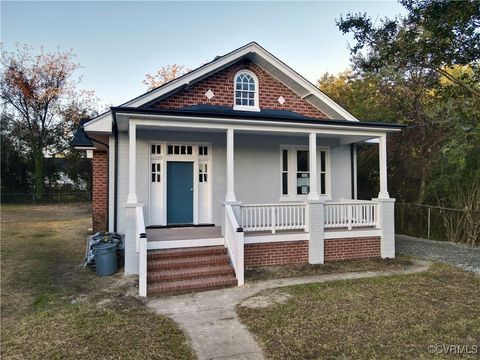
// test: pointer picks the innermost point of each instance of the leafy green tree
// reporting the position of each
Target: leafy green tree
(434, 36)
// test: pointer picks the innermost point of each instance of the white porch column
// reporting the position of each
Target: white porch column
(313, 193)
(230, 195)
(132, 158)
(382, 155)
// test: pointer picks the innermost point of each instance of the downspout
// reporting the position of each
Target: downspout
(352, 168)
(115, 178)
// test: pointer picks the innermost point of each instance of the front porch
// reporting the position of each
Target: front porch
(306, 172)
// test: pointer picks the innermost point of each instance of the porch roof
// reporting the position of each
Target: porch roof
(219, 112)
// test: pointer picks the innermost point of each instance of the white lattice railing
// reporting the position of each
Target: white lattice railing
(272, 217)
(141, 244)
(235, 244)
(351, 214)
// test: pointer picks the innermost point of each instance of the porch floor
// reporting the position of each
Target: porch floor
(204, 232)
(184, 233)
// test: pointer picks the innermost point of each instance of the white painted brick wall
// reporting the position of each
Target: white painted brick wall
(386, 210)
(315, 213)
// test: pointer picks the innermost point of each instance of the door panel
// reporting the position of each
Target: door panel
(179, 192)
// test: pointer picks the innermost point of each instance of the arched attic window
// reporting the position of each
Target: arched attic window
(246, 91)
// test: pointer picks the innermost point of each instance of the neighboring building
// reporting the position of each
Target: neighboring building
(60, 179)
(242, 152)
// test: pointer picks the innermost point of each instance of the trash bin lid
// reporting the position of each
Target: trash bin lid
(106, 246)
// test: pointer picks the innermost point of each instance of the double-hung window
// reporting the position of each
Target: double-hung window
(295, 171)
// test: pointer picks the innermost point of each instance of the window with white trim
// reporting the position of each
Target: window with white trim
(295, 171)
(246, 91)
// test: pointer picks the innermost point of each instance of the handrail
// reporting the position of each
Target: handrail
(235, 244)
(273, 217)
(351, 214)
(141, 244)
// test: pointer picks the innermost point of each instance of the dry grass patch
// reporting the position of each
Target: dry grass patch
(385, 317)
(52, 307)
(285, 271)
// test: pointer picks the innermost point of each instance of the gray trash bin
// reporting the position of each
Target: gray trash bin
(105, 259)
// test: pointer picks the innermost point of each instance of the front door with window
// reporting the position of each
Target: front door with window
(179, 192)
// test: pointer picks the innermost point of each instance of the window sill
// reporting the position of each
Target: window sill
(246, 108)
(300, 198)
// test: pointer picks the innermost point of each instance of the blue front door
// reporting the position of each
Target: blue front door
(179, 192)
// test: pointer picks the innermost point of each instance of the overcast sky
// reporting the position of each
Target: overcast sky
(118, 42)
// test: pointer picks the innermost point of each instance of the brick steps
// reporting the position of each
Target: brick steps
(186, 252)
(189, 273)
(185, 286)
(176, 271)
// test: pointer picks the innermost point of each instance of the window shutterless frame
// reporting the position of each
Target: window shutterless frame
(289, 172)
(246, 97)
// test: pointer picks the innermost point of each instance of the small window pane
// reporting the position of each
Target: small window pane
(200, 178)
(170, 149)
(153, 149)
(153, 167)
(251, 103)
(303, 182)
(285, 160)
(205, 177)
(285, 183)
(302, 160)
(183, 150)
(205, 167)
(176, 150)
(239, 86)
(322, 161)
(245, 87)
(205, 150)
(200, 150)
(159, 149)
(153, 177)
(322, 184)
(244, 102)
(252, 87)
(158, 177)
(158, 167)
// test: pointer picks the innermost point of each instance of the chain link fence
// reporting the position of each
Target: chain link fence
(47, 198)
(438, 223)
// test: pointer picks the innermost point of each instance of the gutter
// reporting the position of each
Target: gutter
(115, 178)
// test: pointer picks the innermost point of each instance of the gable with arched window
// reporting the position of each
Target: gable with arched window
(246, 91)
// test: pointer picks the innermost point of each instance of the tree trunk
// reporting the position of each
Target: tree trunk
(38, 174)
(423, 185)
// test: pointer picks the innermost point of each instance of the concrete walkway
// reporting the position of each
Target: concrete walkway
(210, 319)
(463, 256)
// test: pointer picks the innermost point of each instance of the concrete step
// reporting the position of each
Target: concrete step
(191, 285)
(189, 273)
(188, 262)
(186, 252)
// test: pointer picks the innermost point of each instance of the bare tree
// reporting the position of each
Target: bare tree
(35, 89)
(164, 75)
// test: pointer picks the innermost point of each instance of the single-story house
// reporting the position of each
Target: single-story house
(241, 162)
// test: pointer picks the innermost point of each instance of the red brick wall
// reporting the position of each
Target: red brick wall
(100, 191)
(222, 85)
(351, 248)
(276, 253)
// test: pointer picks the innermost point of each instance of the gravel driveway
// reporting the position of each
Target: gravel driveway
(464, 256)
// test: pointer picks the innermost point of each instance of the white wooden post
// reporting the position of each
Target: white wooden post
(230, 195)
(132, 157)
(349, 215)
(272, 215)
(382, 155)
(142, 276)
(313, 193)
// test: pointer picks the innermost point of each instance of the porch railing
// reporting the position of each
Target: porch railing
(141, 245)
(233, 234)
(273, 217)
(349, 214)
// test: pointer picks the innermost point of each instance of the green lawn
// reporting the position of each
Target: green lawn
(387, 317)
(54, 308)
